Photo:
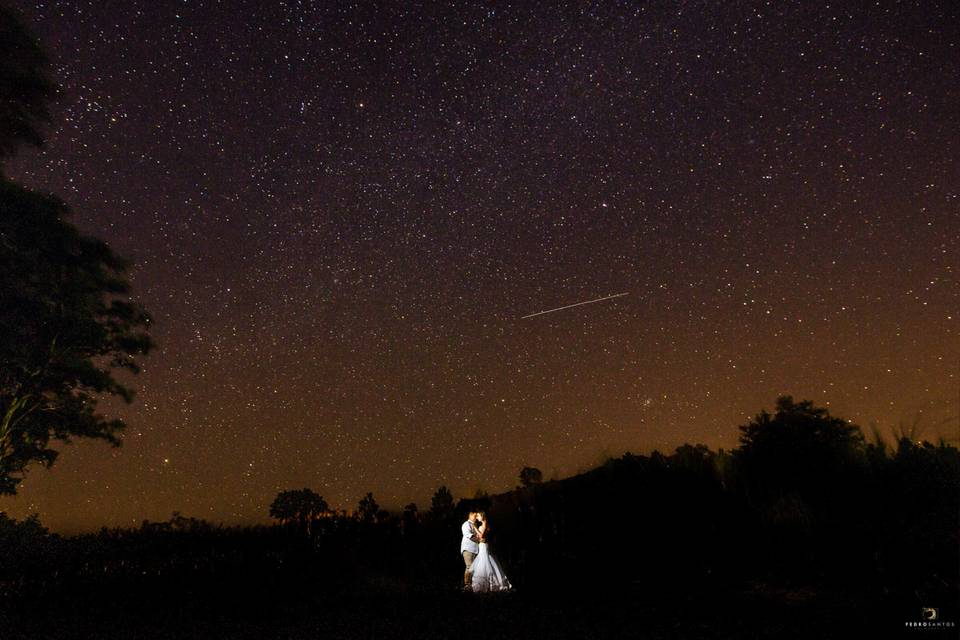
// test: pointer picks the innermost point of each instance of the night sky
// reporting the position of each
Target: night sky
(340, 212)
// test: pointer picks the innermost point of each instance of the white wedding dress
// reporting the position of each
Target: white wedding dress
(487, 574)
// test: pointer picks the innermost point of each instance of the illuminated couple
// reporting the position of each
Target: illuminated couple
(483, 574)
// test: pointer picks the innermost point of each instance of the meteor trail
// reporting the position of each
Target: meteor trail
(540, 313)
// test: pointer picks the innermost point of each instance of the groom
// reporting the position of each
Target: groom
(469, 547)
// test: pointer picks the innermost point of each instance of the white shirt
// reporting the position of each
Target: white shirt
(467, 544)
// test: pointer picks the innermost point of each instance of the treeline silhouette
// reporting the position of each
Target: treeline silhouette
(803, 499)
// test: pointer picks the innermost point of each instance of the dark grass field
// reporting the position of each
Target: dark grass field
(856, 559)
(386, 607)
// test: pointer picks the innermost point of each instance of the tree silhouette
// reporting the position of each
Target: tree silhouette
(368, 510)
(25, 87)
(66, 320)
(785, 445)
(23, 542)
(441, 505)
(694, 458)
(302, 506)
(802, 463)
(410, 518)
(189, 524)
(530, 476)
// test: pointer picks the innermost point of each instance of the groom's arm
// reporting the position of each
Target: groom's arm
(468, 530)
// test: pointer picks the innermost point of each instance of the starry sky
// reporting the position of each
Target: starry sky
(340, 212)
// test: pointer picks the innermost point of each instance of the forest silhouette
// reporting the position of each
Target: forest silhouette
(804, 501)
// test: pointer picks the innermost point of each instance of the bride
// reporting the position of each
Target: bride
(487, 574)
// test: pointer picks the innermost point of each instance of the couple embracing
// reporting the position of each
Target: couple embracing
(483, 573)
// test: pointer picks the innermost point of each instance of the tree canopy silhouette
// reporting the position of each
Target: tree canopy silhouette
(368, 510)
(25, 87)
(410, 516)
(298, 505)
(530, 476)
(441, 504)
(801, 449)
(66, 320)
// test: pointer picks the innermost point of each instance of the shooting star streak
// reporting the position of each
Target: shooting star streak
(540, 313)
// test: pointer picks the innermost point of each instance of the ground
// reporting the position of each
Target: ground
(753, 609)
